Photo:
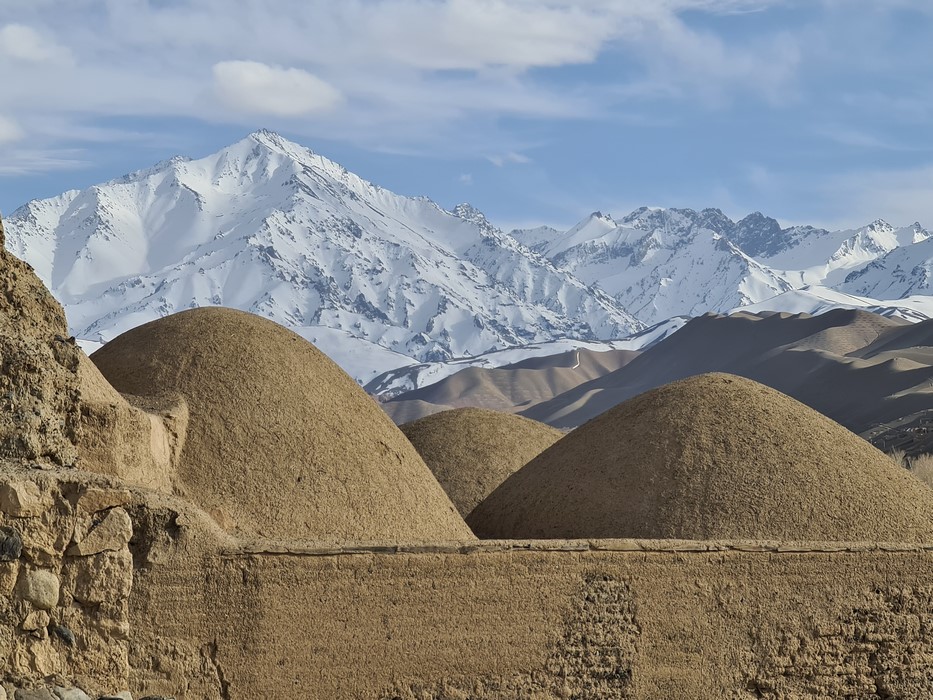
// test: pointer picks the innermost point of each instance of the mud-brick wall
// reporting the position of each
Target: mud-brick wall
(520, 621)
(65, 578)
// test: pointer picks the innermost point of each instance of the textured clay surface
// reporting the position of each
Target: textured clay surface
(473, 450)
(710, 457)
(280, 442)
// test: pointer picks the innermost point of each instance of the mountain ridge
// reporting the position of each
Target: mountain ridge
(269, 226)
(275, 229)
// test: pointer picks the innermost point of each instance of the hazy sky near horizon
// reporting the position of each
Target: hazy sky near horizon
(534, 111)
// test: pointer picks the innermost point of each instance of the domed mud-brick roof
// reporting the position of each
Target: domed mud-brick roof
(279, 439)
(473, 450)
(713, 456)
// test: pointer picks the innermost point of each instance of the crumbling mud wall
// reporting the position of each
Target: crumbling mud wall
(609, 619)
(65, 579)
(72, 546)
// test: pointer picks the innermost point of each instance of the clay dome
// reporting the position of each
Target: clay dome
(713, 456)
(280, 441)
(473, 450)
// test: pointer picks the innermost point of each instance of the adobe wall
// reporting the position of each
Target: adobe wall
(609, 619)
(109, 587)
(66, 571)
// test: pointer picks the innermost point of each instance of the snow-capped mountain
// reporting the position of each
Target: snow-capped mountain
(659, 263)
(268, 226)
(382, 281)
(826, 258)
(901, 272)
(816, 300)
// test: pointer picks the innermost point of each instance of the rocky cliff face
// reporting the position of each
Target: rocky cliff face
(40, 415)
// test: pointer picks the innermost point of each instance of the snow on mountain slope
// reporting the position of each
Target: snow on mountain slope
(659, 263)
(359, 358)
(826, 259)
(385, 281)
(663, 262)
(416, 376)
(900, 273)
(815, 300)
(268, 226)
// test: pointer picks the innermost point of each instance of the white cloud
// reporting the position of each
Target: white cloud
(23, 43)
(479, 34)
(10, 131)
(862, 139)
(29, 161)
(256, 88)
(506, 158)
(465, 179)
(391, 75)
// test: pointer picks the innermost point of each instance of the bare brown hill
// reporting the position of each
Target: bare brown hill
(280, 441)
(918, 336)
(509, 388)
(473, 450)
(712, 456)
(798, 355)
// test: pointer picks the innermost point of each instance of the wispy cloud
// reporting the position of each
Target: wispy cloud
(474, 78)
(256, 88)
(404, 74)
(21, 42)
(25, 161)
(501, 160)
(10, 131)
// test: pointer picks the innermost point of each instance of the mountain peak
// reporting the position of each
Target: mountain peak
(278, 144)
(267, 226)
(273, 140)
(468, 212)
(879, 225)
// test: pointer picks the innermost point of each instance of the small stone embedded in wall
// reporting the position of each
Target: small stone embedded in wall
(103, 578)
(40, 587)
(11, 544)
(94, 499)
(63, 633)
(37, 620)
(23, 499)
(70, 693)
(33, 694)
(112, 534)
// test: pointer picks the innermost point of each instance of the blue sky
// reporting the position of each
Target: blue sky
(535, 111)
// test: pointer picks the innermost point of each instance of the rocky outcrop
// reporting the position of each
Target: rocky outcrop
(66, 571)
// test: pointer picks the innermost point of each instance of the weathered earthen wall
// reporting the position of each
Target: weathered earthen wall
(65, 577)
(527, 621)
